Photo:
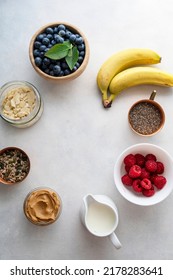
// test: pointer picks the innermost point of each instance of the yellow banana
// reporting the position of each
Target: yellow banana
(121, 61)
(138, 76)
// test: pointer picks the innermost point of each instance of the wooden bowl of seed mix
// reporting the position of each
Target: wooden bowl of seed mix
(146, 117)
(14, 165)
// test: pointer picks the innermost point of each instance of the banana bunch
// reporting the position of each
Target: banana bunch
(123, 70)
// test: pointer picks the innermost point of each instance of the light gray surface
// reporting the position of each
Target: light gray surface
(74, 146)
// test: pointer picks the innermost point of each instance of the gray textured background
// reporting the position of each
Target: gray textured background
(74, 146)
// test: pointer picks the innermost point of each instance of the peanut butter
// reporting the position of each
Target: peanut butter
(42, 206)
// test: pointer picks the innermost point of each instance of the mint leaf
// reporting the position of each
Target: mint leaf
(72, 57)
(59, 51)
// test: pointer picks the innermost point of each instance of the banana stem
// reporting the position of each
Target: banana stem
(107, 103)
(105, 100)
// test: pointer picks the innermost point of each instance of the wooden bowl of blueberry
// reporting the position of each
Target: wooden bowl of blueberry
(59, 51)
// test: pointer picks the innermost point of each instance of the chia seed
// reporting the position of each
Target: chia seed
(145, 118)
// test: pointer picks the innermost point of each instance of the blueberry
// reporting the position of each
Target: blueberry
(42, 47)
(55, 30)
(51, 66)
(61, 73)
(57, 62)
(53, 42)
(68, 34)
(36, 52)
(56, 69)
(80, 59)
(58, 39)
(77, 64)
(61, 40)
(46, 61)
(66, 72)
(47, 49)
(53, 61)
(47, 71)
(82, 53)
(72, 38)
(45, 41)
(38, 61)
(43, 66)
(49, 30)
(42, 54)
(79, 40)
(61, 27)
(81, 47)
(49, 36)
(51, 73)
(64, 65)
(62, 33)
(40, 37)
(37, 44)
(74, 68)
(49, 46)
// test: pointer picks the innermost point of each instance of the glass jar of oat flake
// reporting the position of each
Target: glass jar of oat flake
(20, 104)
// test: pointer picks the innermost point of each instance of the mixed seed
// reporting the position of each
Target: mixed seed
(145, 118)
(14, 165)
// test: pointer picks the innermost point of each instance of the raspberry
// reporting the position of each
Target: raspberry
(135, 171)
(146, 184)
(144, 174)
(151, 165)
(159, 181)
(160, 167)
(126, 180)
(140, 160)
(127, 168)
(149, 192)
(152, 176)
(137, 185)
(130, 160)
(150, 157)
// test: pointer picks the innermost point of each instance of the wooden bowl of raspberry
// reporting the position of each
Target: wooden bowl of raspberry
(142, 174)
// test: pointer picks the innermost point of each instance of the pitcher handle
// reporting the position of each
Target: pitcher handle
(115, 241)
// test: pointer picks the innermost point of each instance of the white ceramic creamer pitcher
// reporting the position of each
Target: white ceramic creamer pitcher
(100, 216)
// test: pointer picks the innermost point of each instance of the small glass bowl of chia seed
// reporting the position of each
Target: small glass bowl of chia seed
(146, 117)
(14, 165)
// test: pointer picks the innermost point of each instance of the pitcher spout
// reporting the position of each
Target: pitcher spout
(87, 200)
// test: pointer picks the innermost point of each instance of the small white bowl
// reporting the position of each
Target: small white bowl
(127, 192)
